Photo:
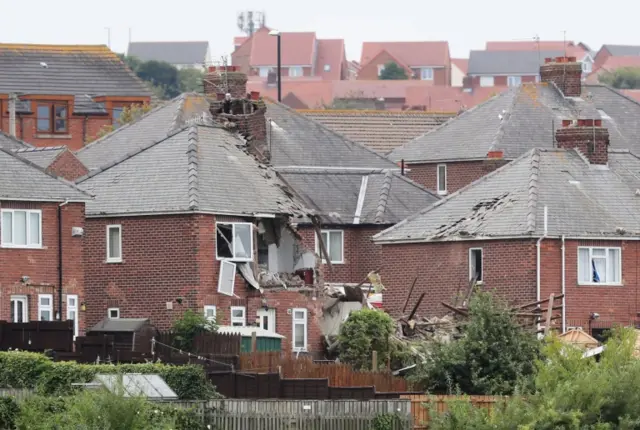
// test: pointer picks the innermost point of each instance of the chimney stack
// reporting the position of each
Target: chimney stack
(225, 79)
(586, 135)
(565, 73)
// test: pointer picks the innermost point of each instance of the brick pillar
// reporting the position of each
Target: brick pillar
(588, 136)
(222, 80)
(565, 73)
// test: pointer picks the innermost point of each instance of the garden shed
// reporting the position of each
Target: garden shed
(134, 334)
(265, 340)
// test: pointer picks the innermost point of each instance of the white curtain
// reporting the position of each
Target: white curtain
(335, 246)
(7, 227)
(613, 274)
(584, 266)
(34, 228)
(19, 228)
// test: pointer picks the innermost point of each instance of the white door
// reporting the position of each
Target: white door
(267, 319)
(19, 310)
(72, 312)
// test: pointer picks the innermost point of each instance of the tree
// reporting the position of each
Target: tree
(191, 80)
(624, 78)
(365, 331)
(128, 114)
(162, 75)
(392, 71)
(186, 328)
(491, 358)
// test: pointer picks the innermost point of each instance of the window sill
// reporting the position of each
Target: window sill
(52, 136)
(442, 193)
(334, 262)
(235, 260)
(299, 349)
(599, 284)
(114, 261)
(22, 246)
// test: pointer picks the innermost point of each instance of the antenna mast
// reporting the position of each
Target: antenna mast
(251, 21)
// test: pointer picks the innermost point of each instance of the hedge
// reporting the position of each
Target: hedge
(20, 369)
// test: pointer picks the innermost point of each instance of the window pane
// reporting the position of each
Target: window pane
(237, 313)
(224, 237)
(45, 301)
(72, 315)
(599, 252)
(72, 302)
(613, 274)
(34, 228)
(584, 266)
(7, 227)
(298, 335)
(60, 118)
(242, 241)
(115, 113)
(599, 266)
(299, 315)
(45, 315)
(20, 228)
(114, 243)
(442, 178)
(335, 245)
(43, 118)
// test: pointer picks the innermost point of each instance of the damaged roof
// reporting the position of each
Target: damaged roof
(191, 170)
(151, 127)
(583, 200)
(21, 179)
(524, 118)
(296, 140)
(358, 196)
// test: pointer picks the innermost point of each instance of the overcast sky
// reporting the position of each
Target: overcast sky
(466, 24)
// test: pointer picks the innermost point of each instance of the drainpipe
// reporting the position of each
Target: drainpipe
(538, 258)
(564, 298)
(60, 259)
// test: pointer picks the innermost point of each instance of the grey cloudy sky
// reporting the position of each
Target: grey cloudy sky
(466, 24)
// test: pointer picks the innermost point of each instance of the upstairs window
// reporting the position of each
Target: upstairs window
(114, 244)
(426, 74)
(115, 113)
(327, 67)
(234, 241)
(295, 71)
(514, 81)
(334, 242)
(586, 67)
(486, 81)
(599, 266)
(442, 179)
(475, 265)
(21, 228)
(52, 118)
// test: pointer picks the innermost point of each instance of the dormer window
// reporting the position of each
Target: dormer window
(52, 117)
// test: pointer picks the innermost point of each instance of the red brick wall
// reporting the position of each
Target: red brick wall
(459, 173)
(361, 255)
(509, 268)
(41, 265)
(67, 166)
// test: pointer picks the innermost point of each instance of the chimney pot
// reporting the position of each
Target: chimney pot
(495, 154)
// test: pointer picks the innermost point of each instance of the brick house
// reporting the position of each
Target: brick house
(556, 220)
(503, 128)
(427, 61)
(303, 55)
(570, 48)
(608, 51)
(41, 244)
(65, 94)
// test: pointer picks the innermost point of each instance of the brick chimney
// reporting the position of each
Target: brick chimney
(225, 79)
(565, 73)
(586, 135)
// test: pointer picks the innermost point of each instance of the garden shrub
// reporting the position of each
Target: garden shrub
(9, 411)
(362, 333)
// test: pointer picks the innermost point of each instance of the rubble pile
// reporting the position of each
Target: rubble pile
(433, 329)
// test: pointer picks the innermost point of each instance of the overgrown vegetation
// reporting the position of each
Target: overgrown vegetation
(187, 327)
(569, 392)
(365, 331)
(392, 71)
(492, 357)
(624, 78)
(36, 371)
(166, 80)
(129, 114)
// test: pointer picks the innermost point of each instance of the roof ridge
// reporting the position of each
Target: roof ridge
(532, 201)
(500, 132)
(51, 175)
(40, 149)
(192, 169)
(125, 157)
(385, 190)
(324, 127)
(453, 195)
(177, 114)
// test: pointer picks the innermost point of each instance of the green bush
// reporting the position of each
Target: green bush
(362, 333)
(186, 328)
(31, 370)
(9, 411)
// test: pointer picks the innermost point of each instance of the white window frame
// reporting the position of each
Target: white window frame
(242, 319)
(233, 243)
(328, 247)
(109, 258)
(263, 71)
(484, 81)
(587, 67)
(270, 314)
(295, 321)
(3, 241)
(117, 311)
(380, 69)
(441, 190)
(299, 71)
(45, 308)
(25, 307)
(426, 73)
(606, 271)
(514, 81)
(327, 67)
(471, 250)
(208, 308)
(75, 309)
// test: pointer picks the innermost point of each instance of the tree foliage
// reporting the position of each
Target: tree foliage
(191, 80)
(392, 71)
(165, 79)
(625, 78)
(365, 331)
(129, 114)
(570, 392)
(494, 354)
(186, 328)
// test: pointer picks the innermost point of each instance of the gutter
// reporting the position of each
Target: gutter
(59, 316)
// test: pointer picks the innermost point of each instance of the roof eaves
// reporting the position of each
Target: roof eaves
(192, 160)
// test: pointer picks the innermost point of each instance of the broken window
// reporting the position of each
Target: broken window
(234, 241)
(475, 265)
(599, 265)
(226, 278)
(263, 251)
(334, 243)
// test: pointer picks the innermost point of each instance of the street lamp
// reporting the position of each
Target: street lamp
(278, 35)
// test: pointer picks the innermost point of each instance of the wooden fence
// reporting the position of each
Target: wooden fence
(37, 335)
(338, 375)
(421, 404)
(208, 343)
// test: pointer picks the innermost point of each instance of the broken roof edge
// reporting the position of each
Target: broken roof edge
(324, 127)
(379, 238)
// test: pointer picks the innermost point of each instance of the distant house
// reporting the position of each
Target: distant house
(459, 68)
(612, 64)
(608, 51)
(567, 48)
(303, 55)
(427, 61)
(189, 55)
(66, 93)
